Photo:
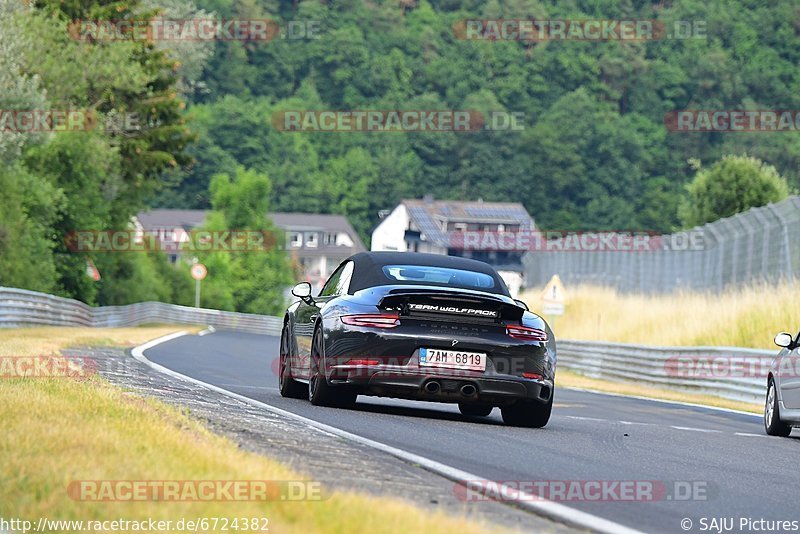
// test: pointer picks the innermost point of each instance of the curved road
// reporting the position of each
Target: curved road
(743, 473)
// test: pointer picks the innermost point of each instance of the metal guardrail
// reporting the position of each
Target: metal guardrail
(729, 372)
(666, 367)
(20, 307)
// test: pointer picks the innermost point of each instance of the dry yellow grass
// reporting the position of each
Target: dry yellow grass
(48, 340)
(59, 430)
(746, 317)
(569, 379)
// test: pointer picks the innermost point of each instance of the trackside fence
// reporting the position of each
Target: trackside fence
(675, 368)
(759, 245)
(20, 307)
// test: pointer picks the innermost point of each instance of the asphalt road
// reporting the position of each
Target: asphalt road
(744, 473)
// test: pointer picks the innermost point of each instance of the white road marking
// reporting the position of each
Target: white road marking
(676, 427)
(662, 401)
(250, 387)
(550, 509)
(209, 330)
(581, 418)
(751, 434)
(692, 429)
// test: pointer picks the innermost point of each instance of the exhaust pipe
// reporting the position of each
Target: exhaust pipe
(432, 386)
(468, 390)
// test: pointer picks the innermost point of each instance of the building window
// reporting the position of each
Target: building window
(295, 239)
(329, 239)
(331, 267)
(312, 240)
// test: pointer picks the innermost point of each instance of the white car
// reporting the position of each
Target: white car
(782, 408)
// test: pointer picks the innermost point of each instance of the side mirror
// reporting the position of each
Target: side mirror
(302, 291)
(522, 304)
(784, 340)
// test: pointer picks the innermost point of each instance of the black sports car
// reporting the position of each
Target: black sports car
(419, 326)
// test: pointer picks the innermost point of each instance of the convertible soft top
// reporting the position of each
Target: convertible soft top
(368, 268)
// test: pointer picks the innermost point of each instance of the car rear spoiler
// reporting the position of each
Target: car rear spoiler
(454, 303)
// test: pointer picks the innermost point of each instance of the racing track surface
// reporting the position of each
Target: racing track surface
(590, 437)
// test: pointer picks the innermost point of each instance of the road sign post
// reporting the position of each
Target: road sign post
(553, 297)
(199, 272)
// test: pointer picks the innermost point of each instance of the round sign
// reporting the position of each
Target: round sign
(199, 271)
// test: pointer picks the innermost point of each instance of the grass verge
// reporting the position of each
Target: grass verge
(570, 379)
(48, 340)
(56, 431)
(745, 317)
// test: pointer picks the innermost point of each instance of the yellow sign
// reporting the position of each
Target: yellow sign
(554, 291)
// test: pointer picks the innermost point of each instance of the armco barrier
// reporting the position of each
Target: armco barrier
(20, 307)
(611, 361)
(651, 366)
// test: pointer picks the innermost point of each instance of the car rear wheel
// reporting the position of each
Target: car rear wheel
(320, 393)
(475, 410)
(772, 414)
(288, 386)
(530, 414)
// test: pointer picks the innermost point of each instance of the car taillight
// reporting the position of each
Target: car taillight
(362, 362)
(526, 333)
(372, 320)
(532, 376)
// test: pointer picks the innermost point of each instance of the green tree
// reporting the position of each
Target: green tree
(121, 76)
(252, 281)
(58, 183)
(731, 185)
(27, 211)
(29, 203)
(595, 153)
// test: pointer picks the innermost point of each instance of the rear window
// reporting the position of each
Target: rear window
(440, 276)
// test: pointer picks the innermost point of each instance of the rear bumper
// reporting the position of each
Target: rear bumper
(436, 386)
(395, 371)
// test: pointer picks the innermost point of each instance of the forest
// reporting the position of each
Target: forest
(593, 149)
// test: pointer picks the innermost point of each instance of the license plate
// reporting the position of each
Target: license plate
(454, 359)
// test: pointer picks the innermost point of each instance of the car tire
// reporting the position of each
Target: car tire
(288, 386)
(320, 393)
(531, 414)
(475, 410)
(772, 415)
